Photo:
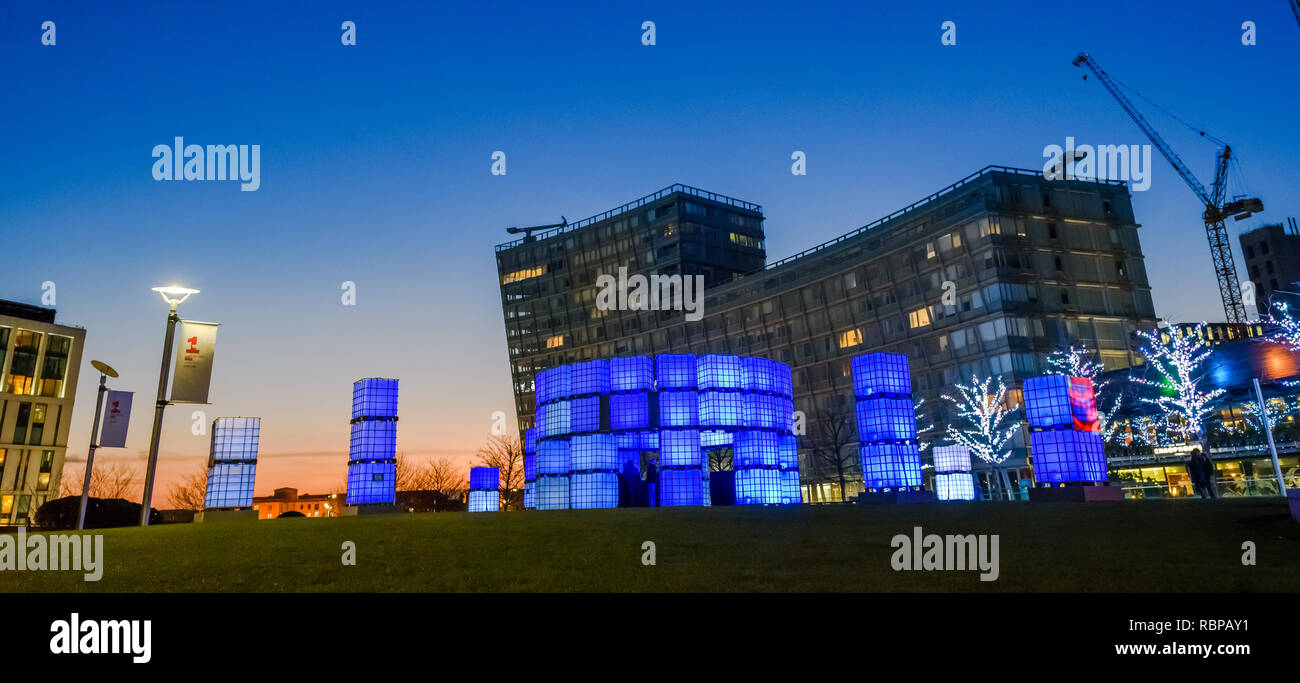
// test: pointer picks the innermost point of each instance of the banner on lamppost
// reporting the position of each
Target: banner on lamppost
(194, 362)
(117, 417)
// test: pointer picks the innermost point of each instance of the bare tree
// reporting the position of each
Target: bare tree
(191, 492)
(108, 480)
(505, 453)
(410, 475)
(443, 476)
(830, 446)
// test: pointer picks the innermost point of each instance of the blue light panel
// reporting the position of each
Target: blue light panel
(593, 490)
(554, 383)
(530, 467)
(890, 465)
(591, 377)
(675, 371)
(552, 492)
(484, 478)
(374, 397)
(484, 501)
(530, 441)
(784, 380)
(593, 452)
(881, 373)
(715, 437)
(886, 419)
(628, 441)
(373, 440)
(1053, 401)
(681, 486)
(552, 457)
(629, 411)
(756, 449)
(765, 411)
(553, 418)
(530, 495)
(235, 438)
(758, 487)
(721, 409)
(1067, 455)
(718, 371)
(787, 450)
(760, 375)
(632, 374)
(230, 485)
(679, 448)
(954, 486)
(584, 414)
(650, 441)
(954, 458)
(791, 494)
(372, 482)
(678, 408)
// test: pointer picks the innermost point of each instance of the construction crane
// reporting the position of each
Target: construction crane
(1295, 9)
(1216, 211)
(528, 232)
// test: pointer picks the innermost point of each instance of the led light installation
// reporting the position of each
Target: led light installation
(232, 462)
(952, 475)
(530, 469)
(372, 462)
(1064, 437)
(602, 418)
(887, 443)
(484, 489)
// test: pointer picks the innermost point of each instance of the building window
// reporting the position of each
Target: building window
(523, 274)
(47, 465)
(918, 318)
(555, 342)
(20, 423)
(4, 346)
(850, 338)
(37, 430)
(54, 368)
(22, 369)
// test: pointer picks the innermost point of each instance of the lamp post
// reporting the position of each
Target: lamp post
(104, 373)
(169, 294)
(1266, 423)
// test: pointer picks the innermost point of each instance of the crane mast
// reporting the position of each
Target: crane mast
(1225, 269)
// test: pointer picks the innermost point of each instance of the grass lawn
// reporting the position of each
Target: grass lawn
(1146, 546)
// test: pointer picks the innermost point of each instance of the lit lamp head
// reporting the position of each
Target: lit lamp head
(174, 296)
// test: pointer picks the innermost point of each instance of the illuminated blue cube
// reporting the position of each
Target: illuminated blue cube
(765, 411)
(553, 418)
(552, 492)
(372, 482)
(886, 419)
(890, 466)
(584, 414)
(1066, 455)
(881, 373)
(650, 441)
(948, 459)
(675, 371)
(530, 495)
(593, 452)
(553, 457)
(756, 449)
(678, 409)
(590, 490)
(374, 397)
(791, 493)
(681, 486)
(718, 371)
(484, 501)
(760, 375)
(555, 383)
(721, 409)
(787, 450)
(484, 478)
(373, 440)
(232, 462)
(631, 374)
(679, 448)
(1054, 401)
(591, 377)
(758, 487)
(530, 467)
(629, 411)
(716, 437)
(954, 486)
(530, 441)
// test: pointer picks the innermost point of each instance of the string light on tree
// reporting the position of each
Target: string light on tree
(1077, 362)
(923, 423)
(1178, 361)
(984, 412)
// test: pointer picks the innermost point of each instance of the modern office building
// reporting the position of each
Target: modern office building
(1273, 260)
(985, 276)
(38, 382)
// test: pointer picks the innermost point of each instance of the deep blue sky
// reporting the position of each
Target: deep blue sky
(375, 165)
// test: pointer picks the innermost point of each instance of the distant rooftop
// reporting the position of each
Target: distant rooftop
(650, 198)
(16, 309)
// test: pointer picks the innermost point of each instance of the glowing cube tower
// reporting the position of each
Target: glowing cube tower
(484, 489)
(952, 473)
(1064, 439)
(232, 462)
(530, 469)
(372, 461)
(887, 444)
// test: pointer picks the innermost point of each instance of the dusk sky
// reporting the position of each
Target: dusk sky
(375, 167)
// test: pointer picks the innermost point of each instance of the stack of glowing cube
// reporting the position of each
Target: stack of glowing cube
(372, 460)
(887, 444)
(530, 468)
(596, 419)
(484, 489)
(232, 462)
(952, 475)
(1064, 439)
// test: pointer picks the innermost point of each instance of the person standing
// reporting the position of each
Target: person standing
(652, 482)
(1200, 470)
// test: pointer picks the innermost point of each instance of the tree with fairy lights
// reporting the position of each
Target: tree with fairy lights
(921, 419)
(1077, 362)
(1178, 361)
(1286, 329)
(983, 412)
(1274, 414)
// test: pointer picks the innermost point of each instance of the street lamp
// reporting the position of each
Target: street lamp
(174, 296)
(105, 371)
